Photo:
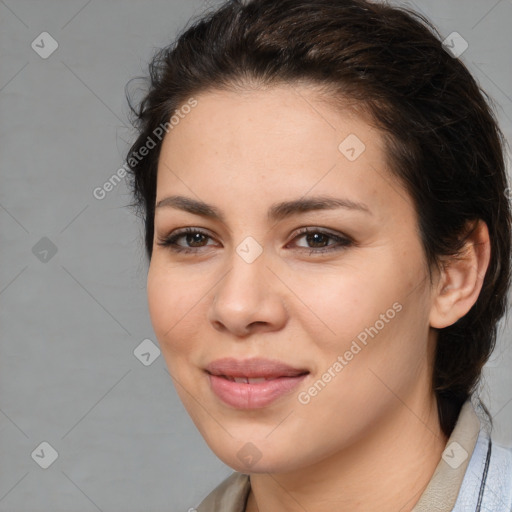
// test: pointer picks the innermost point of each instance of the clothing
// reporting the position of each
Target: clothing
(473, 475)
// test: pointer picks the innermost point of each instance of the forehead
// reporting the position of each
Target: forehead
(284, 124)
(267, 142)
(286, 108)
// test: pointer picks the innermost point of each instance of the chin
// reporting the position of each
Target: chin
(262, 465)
(255, 454)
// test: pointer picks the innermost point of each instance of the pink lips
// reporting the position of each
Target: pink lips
(252, 383)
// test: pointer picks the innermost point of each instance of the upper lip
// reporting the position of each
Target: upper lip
(253, 368)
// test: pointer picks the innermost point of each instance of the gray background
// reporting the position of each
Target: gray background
(70, 321)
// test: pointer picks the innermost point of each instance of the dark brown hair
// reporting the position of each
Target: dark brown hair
(442, 139)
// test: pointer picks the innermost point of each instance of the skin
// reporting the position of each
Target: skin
(370, 440)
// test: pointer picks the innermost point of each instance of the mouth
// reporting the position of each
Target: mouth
(247, 380)
(252, 383)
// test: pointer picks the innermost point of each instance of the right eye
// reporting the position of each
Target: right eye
(193, 239)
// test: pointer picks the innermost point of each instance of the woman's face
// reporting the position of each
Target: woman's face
(340, 313)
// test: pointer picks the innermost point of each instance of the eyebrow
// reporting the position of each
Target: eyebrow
(277, 211)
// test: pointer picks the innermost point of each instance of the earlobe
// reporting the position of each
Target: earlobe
(462, 278)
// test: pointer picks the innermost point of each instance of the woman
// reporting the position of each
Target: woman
(328, 229)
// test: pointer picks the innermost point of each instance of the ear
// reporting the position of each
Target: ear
(461, 279)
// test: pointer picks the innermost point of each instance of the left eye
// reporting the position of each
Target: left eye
(321, 240)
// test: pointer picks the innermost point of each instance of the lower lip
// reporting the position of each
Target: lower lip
(252, 396)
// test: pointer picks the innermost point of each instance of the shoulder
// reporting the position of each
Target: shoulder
(229, 496)
(499, 479)
(488, 478)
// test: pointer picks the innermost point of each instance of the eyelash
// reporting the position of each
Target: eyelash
(343, 242)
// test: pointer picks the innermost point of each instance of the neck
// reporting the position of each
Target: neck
(386, 470)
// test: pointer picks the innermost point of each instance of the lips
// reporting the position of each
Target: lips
(255, 368)
(252, 383)
(245, 380)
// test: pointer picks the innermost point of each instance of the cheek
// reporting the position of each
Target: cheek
(173, 299)
(367, 313)
(341, 303)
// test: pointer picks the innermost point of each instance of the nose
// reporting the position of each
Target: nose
(248, 299)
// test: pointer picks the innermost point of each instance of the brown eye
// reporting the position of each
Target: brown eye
(186, 240)
(195, 239)
(319, 241)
